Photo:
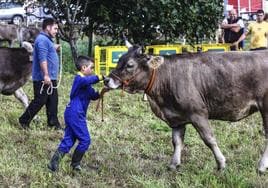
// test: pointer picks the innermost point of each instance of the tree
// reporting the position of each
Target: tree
(70, 15)
(145, 20)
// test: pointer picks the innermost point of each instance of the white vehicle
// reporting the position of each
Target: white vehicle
(12, 12)
(37, 14)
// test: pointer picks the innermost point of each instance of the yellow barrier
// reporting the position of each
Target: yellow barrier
(164, 49)
(215, 47)
(106, 58)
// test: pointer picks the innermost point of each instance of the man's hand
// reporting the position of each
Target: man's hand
(47, 80)
(57, 46)
(235, 44)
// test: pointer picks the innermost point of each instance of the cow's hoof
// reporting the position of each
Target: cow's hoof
(173, 167)
(220, 168)
(261, 170)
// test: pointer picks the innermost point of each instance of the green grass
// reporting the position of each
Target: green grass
(131, 147)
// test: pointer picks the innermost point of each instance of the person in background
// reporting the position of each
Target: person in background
(75, 115)
(233, 29)
(45, 70)
(258, 31)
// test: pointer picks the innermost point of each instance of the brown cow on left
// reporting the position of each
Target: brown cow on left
(15, 70)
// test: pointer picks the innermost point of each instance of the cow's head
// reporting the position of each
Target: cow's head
(133, 70)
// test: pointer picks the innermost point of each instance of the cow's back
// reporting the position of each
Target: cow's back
(230, 85)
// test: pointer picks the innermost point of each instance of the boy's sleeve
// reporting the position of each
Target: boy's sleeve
(89, 80)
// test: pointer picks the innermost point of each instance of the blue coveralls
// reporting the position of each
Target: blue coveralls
(75, 113)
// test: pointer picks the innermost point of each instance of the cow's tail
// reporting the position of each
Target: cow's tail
(28, 46)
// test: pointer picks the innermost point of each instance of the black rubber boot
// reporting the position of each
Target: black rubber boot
(55, 160)
(76, 159)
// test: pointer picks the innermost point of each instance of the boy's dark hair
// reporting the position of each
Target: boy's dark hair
(83, 60)
(260, 11)
(48, 21)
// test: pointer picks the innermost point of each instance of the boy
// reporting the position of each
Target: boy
(75, 115)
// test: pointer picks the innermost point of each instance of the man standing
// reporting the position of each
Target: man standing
(258, 31)
(233, 29)
(44, 75)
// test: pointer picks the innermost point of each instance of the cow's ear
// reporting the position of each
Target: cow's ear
(155, 61)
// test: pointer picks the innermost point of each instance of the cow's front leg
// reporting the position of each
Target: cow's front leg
(263, 164)
(201, 124)
(177, 141)
(22, 97)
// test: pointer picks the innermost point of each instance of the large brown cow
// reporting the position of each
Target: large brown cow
(193, 88)
(15, 70)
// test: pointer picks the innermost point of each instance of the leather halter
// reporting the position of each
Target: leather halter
(150, 83)
(128, 81)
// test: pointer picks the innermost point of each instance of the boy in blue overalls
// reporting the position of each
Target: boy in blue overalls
(75, 115)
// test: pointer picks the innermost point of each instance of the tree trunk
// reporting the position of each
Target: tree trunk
(73, 49)
(90, 44)
(89, 34)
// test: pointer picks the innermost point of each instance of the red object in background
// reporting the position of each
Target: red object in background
(249, 5)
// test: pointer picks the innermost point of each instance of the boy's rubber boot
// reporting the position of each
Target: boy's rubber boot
(55, 160)
(76, 159)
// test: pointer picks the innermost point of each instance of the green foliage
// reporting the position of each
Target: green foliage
(67, 60)
(144, 21)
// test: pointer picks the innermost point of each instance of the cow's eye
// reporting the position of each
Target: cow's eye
(130, 66)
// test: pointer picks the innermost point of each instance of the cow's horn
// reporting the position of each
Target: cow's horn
(27, 46)
(128, 44)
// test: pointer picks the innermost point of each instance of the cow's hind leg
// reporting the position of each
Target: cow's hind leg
(263, 164)
(22, 97)
(201, 124)
(177, 141)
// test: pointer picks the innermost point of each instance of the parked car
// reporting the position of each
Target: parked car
(37, 14)
(12, 12)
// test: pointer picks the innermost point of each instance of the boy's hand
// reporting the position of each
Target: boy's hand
(103, 77)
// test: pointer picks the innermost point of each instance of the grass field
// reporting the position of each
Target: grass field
(132, 148)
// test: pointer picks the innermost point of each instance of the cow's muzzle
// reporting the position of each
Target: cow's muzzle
(112, 83)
